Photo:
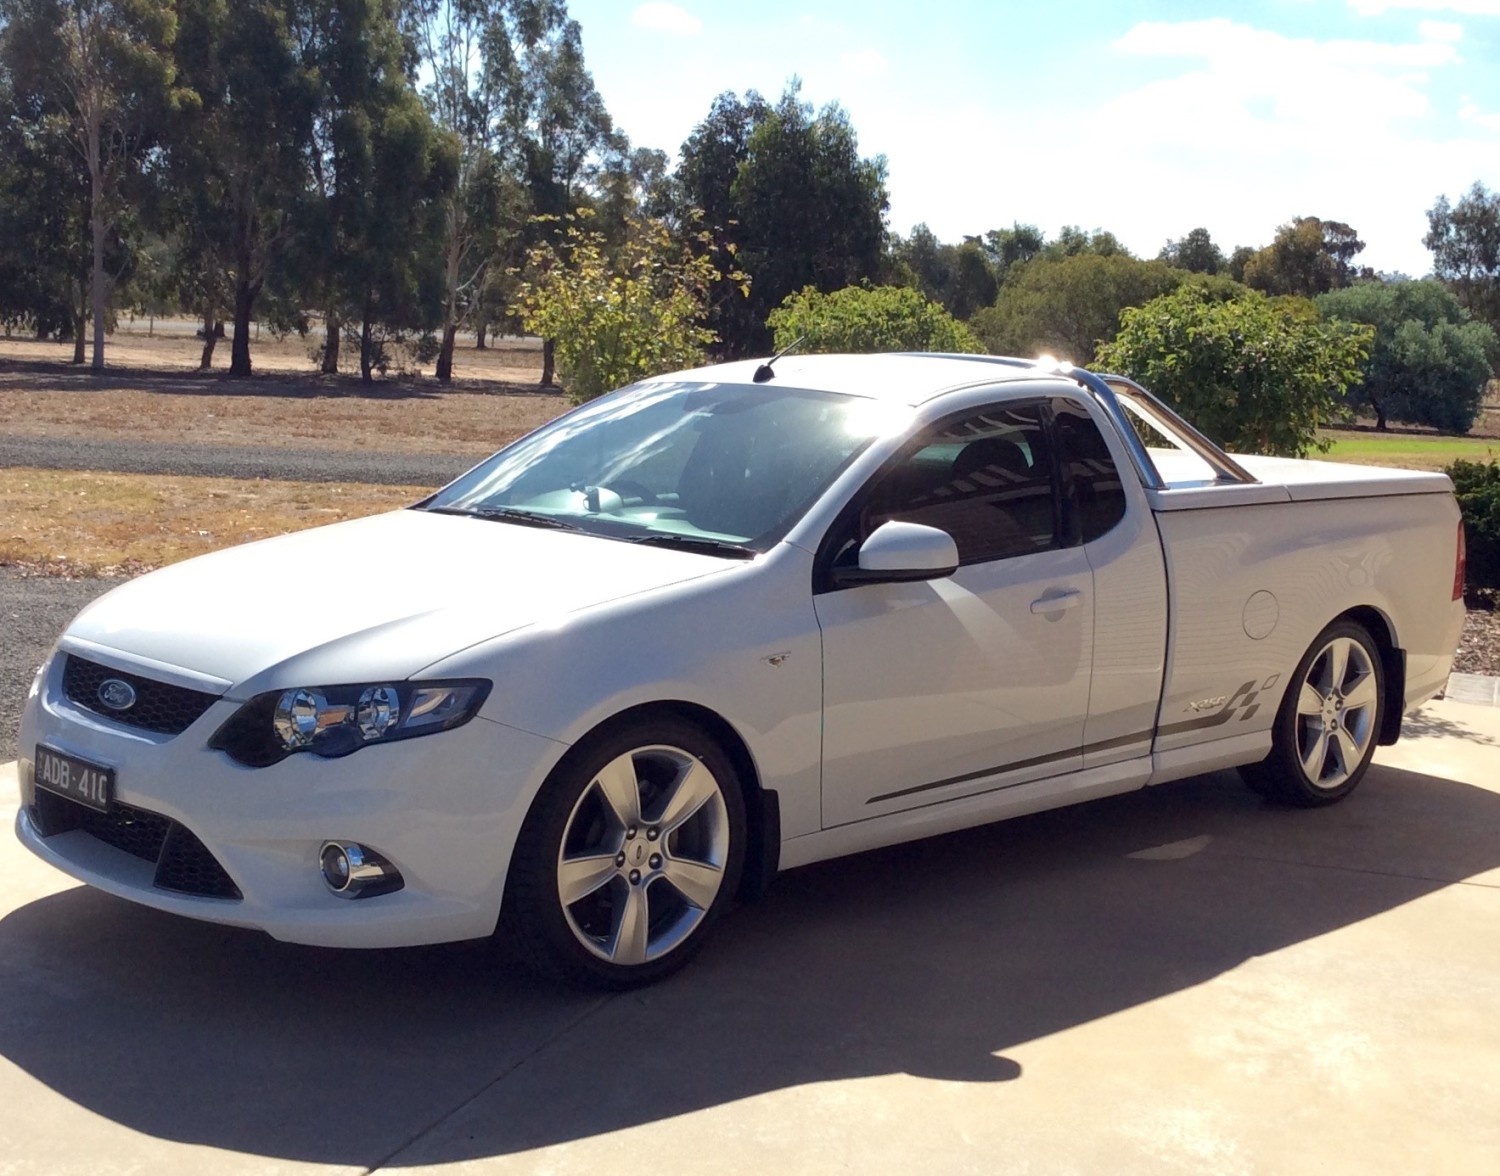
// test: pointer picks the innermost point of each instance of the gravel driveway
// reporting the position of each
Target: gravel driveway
(33, 611)
(228, 461)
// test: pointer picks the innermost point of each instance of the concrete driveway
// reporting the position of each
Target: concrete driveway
(1179, 980)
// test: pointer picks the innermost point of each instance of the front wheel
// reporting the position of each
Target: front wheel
(631, 852)
(1325, 731)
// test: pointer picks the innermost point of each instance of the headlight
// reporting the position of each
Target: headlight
(336, 720)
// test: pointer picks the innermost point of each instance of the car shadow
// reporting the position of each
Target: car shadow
(935, 959)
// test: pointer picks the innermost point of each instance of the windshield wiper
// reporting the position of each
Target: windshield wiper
(708, 546)
(507, 514)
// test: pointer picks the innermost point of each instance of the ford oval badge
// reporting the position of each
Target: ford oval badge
(116, 695)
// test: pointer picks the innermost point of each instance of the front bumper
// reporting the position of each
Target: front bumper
(444, 809)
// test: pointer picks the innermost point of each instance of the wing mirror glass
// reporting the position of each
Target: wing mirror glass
(902, 551)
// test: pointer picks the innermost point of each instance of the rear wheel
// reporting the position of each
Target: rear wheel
(630, 854)
(1325, 731)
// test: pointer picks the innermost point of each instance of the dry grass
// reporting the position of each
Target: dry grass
(50, 398)
(86, 524)
(171, 345)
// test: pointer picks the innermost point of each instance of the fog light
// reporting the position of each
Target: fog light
(352, 871)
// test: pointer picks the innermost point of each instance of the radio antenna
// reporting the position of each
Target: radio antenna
(764, 372)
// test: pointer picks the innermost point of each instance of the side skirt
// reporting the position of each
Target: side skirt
(947, 817)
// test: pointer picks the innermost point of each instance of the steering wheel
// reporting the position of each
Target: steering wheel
(627, 488)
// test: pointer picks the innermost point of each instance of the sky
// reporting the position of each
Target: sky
(1147, 119)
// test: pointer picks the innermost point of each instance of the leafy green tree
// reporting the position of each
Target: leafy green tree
(1308, 257)
(1260, 374)
(369, 229)
(1068, 305)
(106, 67)
(1195, 252)
(1007, 248)
(1429, 363)
(790, 187)
(973, 284)
(477, 54)
(1072, 241)
(1238, 260)
(928, 261)
(868, 319)
(45, 251)
(960, 277)
(565, 131)
(617, 323)
(1465, 242)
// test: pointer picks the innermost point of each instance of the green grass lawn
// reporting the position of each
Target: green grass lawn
(1413, 451)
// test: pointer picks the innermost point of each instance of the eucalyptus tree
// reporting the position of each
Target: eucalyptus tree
(45, 254)
(505, 79)
(106, 67)
(564, 133)
(244, 141)
(805, 208)
(1465, 242)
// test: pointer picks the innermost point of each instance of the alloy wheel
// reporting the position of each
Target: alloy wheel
(1336, 708)
(643, 854)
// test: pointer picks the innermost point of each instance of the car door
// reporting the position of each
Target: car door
(979, 681)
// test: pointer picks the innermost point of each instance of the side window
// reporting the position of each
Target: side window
(1092, 494)
(985, 479)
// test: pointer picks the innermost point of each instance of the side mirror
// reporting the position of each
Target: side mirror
(902, 551)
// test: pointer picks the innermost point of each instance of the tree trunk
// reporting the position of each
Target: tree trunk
(210, 337)
(244, 302)
(549, 363)
(80, 321)
(97, 230)
(445, 354)
(479, 333)
(332, 329)
(366, 359)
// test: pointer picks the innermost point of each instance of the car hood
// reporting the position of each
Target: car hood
(377, 598)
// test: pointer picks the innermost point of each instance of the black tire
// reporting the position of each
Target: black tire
(1318, 756)
(627, 875)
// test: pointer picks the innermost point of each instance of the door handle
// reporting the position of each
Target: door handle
(1058, 601)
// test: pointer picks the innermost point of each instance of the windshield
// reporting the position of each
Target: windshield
(711, 465)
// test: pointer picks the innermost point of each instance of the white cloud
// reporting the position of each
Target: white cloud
(667, 18)
(1470, 112)
(1440, 30)
(1212, 122)
(1465, 7)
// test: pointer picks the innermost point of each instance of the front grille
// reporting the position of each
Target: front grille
(183, 863)
(159, 707)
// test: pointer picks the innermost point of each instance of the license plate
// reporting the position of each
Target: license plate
(88, 784)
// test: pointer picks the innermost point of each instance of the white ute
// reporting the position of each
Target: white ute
(726, 622)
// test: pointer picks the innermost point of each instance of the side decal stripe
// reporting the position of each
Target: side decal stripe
(1017, 765)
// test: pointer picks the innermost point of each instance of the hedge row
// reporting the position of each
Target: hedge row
(1478, 488)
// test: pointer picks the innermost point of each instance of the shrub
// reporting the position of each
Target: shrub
(868, 318)
(1478, 488)
(619, 315)
(1261, 375)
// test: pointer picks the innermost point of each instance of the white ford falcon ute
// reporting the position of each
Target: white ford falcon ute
(723, 623)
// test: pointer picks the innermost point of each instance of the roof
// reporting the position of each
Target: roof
(899, 377)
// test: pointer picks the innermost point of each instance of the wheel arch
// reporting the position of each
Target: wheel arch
(1393, 662)
(762, 805)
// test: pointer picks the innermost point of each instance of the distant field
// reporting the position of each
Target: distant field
(1417, 451)
(169, 345)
